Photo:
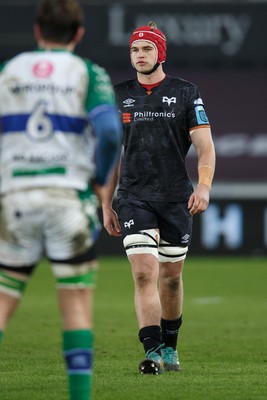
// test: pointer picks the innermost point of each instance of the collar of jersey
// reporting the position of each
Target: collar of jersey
(39, 49)
(155, 86)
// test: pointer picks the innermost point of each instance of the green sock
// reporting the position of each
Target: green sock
(78, 349)
(1, 336)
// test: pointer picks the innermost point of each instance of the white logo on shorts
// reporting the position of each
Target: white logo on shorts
(128, 224)
(185, 238)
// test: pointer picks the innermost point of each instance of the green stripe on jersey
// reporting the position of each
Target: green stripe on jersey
(44, 171)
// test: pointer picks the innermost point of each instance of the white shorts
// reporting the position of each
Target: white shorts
(56, 223)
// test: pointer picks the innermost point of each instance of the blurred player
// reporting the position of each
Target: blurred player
(60, 136)
(162, 116)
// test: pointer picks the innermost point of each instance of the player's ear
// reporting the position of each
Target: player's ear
(79, 35)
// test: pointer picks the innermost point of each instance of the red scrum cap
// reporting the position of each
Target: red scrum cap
(152, 34)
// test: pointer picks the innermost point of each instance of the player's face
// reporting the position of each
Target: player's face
(143, 56)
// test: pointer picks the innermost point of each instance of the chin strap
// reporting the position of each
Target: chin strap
(151, 71)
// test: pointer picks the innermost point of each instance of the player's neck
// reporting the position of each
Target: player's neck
(155, 77)
(45, 45)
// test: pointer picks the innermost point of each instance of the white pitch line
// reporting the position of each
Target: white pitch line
(207, 300)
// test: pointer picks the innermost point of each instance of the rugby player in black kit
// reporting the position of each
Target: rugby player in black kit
(162, 116)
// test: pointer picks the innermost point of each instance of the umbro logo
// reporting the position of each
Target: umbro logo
(129, 223)
(185, 238)
(168, 100)
(128, 102)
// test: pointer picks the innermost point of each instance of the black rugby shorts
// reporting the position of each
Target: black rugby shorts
(171, 218)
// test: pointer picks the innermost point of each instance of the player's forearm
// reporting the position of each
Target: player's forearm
(204, 146)
(108, 130)
(110, 188)
(206, 165)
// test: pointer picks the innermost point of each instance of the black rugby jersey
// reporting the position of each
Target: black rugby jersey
(156, 138)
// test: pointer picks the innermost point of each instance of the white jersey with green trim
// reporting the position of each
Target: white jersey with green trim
(46, 138)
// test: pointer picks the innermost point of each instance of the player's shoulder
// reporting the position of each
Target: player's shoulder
(95, 70)
(14, 60)
(181, 82)
(125, 85)
(15, 64)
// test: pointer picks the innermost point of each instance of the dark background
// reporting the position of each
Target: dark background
(220, 46)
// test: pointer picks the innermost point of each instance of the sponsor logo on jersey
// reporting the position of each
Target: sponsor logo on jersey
(199, 101)
(126, 118)
(41, 157)
(30, 87)
(129, 223)
(128, 103)
(168, 100)
(146, 116)
(43, 69)
(151, 115)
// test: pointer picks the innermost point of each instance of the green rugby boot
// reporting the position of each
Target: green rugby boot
(152, 364)
(170, 359)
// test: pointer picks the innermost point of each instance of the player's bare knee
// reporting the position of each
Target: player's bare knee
(146, 276)
(143, 242)
(173, 282)
(141, 280)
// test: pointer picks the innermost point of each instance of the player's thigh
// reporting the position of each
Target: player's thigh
(20, 230)
(175, 233)
(135, 215)
(139, 229)
(70, 246)
(175, 223)
(69, 229)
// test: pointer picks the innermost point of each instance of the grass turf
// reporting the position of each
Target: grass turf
(222, 342)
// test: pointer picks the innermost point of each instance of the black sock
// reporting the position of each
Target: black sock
(170, 331)
(150, 337)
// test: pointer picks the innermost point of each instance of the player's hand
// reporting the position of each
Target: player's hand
(111, 221)
(199, 200)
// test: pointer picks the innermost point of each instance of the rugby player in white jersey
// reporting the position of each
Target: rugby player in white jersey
(162, 116)
(60, 136)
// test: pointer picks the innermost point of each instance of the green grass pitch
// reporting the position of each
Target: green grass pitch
(223, 339)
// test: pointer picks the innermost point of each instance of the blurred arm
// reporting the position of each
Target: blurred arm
(108, 131)
(110, 218)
